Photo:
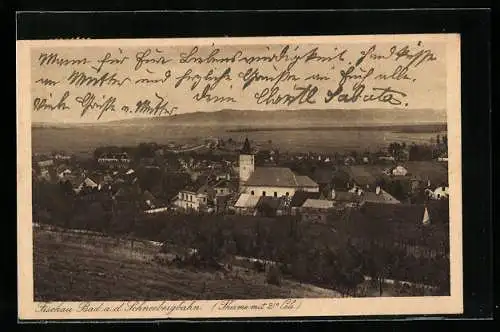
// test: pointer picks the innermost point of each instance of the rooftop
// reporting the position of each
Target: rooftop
(278, 177)
(305, 181)
(382, 197)
(317, 204)
(301, 196)
(247, 201)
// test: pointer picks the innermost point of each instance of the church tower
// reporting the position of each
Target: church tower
(247, 163)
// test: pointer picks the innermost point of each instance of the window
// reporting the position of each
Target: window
(275, 194)
(263, 193)
(252, 193)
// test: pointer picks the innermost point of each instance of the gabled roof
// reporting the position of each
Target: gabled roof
(89, 182)
(345, 196)
(278, 177)
(206, 189)
(301, 196)
(305, 181)
(225, 184)
(247, 201)
(272, 176)
(361, 175)
(317, 204)
(383, 197)
(199, 189)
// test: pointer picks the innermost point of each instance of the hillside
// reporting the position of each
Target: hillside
(78, 267)
(286, 118)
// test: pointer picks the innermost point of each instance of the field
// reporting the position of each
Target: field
(78, 267)
(85, 139)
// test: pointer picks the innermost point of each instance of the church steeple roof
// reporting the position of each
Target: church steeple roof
(246, 147)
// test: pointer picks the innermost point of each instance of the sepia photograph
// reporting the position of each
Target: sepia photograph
(239, 177)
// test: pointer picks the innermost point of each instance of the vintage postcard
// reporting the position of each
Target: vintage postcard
(239, 177)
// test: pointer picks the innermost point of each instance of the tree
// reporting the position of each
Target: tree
(377, 263)
(299, 267)
(67, 188)
(274, 276)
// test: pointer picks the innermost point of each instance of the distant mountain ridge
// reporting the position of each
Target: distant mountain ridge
(282, 118)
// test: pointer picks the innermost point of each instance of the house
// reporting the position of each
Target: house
(64, 174)
(269, 206)
(246, 204)
(277, 182)
(223, 176)
(86, 184)
(356, 190)
(380, 196)
(221, 202)
(61, 156)
(46, 163)
(316, 210)
(45, 175)
(299, 198)
(224, 187)
(399, 171)
(349, 160)
(192, 198)
(148, 201)
(345, 198)
(361, 176)
(441, 192)
(270, 181)
(386, 158)
(114, 160)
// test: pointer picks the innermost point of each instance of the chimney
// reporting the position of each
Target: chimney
(377, 190)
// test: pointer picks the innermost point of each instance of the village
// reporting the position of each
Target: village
(395, 198)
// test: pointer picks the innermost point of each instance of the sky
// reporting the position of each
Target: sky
(425, 86)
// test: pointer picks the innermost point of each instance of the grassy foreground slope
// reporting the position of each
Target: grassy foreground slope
(87, 268)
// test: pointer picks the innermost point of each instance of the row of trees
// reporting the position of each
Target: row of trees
(308, 253)
(334, 263)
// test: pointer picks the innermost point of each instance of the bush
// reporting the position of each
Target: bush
(274, 276)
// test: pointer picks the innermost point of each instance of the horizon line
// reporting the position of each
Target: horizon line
(94, 122)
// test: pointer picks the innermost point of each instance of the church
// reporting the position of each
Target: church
(269, 181)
